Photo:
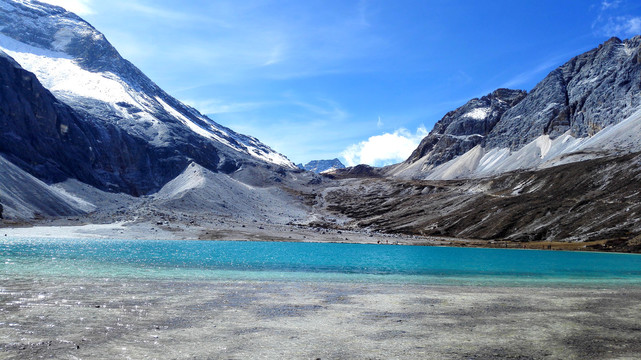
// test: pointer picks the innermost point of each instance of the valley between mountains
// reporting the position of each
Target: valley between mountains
(90, 146)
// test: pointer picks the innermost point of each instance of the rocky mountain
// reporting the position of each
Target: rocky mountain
(126, 134)
(578, 111)
(320, 166)
(464, 128)
(557, 165)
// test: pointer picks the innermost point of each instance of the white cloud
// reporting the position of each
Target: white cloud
(610, 4)
(616, 19)
(385, 149)
(379, 123)
(79, 7)
(622, 26)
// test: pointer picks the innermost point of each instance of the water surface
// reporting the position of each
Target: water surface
(232, 260)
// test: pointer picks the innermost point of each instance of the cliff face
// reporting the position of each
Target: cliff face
(511, 130)
(124, 132)
(593, 90)
(53, 142)
(464, 128)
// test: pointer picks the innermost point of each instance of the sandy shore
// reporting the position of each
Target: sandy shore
(213, 229)
(130, 319)
(222, 228)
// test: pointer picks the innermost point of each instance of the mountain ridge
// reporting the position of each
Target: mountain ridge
(81, 68)
(574, 103)
(320, 166)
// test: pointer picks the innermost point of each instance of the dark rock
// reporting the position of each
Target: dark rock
(358, 171)
(128, 147)
(464, 128)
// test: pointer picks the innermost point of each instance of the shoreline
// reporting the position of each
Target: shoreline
(232, 230)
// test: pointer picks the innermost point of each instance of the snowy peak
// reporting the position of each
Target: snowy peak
(320, 166)
(81, 68)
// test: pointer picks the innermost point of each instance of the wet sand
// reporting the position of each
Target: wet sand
(138, 319)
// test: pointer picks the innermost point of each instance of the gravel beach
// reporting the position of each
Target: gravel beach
(71, 318)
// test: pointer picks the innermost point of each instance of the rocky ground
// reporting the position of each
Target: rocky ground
(146, 319)
(594, 203)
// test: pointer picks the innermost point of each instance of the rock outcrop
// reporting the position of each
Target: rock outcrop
(511, 130)
(120, 131)
(464, 128)
(591, 91)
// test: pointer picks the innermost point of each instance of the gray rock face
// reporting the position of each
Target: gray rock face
(51, 141)
(598, 88)
(593, 90)
(318, 166)
(133, 139)
(464, 128)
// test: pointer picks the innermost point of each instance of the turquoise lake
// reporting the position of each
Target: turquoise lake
(240, 260)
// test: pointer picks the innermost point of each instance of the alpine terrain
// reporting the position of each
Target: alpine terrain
(560, 163)
(129, 135)
(87, 139)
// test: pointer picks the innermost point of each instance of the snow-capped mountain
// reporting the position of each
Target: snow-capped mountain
(320, 166)
(587, 108)
(83, 70)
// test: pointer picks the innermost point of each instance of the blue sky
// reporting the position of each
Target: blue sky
(361, 80)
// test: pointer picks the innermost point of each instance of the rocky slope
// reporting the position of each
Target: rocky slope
(319, 166)
(464, 128)
(582, 201)
(564, 117)
(24, 196)
(52, 142)
(144, 137)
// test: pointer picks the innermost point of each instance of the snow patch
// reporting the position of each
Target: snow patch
(627, 50)
(478, 113)
(59, 73)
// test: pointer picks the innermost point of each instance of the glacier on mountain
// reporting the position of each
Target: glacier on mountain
(79, 66)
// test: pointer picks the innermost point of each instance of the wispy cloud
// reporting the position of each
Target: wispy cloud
(157, 12)
(79, 7)
(379, 123)
(622, 26)
(615, 19)
(324, 108)
(384, 149)
(605, 5)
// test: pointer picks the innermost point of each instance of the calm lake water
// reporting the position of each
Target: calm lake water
(236, 260)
